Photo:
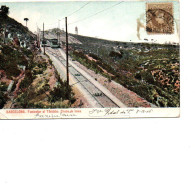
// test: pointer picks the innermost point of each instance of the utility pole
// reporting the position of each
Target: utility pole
(37, 36)
(67, 71)
(59, 31)
(4, 33)
(43, 40)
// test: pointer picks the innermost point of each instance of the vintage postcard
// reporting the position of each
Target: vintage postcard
(89, 59)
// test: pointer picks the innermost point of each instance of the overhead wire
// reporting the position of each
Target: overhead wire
(96, 13)
(87, 16)
(75, 11)
(79, 9)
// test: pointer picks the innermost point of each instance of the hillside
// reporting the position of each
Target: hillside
(28, 78)
(148, 69)
(14, 28)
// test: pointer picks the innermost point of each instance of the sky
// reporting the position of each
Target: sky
(117, 23)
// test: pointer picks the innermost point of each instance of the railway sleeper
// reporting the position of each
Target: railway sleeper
(98, 94)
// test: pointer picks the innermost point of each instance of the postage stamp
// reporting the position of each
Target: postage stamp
(159, 18)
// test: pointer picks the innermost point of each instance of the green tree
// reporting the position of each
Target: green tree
(4, 11)
(26, 19)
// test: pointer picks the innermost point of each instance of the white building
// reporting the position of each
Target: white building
(76, 30)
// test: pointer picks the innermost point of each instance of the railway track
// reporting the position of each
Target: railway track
(101, 99)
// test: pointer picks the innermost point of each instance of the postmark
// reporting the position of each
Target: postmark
(159, 18)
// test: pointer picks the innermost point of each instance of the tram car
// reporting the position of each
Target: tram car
(54, 43)
(45, 43)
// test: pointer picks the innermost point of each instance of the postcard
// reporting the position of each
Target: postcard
(89, 59)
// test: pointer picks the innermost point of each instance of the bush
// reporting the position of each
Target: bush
(27, 80)
(3, 99)
(3, 86)
(147, 76)
(61, 92)
(115, 55)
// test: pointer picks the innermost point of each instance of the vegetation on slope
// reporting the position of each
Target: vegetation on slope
(27, 78)
(150, 70)
(38, 86)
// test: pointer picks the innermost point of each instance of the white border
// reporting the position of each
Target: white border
(89, 157)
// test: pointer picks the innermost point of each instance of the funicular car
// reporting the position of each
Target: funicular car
(54, 43)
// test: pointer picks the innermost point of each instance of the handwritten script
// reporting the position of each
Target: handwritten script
(57, 113)
(111, 112)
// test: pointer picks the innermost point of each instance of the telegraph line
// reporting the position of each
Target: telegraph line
(51, 24)
(73, 12)
(96, 13)
(79, 9)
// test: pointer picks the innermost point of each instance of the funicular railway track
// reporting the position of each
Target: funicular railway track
(101, 99)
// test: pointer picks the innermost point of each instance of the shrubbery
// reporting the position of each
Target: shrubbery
(26, 82)
(62, 92)
(3, 99)
(3, 96)
(133, 68)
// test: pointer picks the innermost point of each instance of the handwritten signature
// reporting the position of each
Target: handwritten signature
(53, 115)
(126, 112)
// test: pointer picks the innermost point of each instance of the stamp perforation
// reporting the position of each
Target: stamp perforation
(159, 18)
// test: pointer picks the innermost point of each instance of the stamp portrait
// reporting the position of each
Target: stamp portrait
(159, 18)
